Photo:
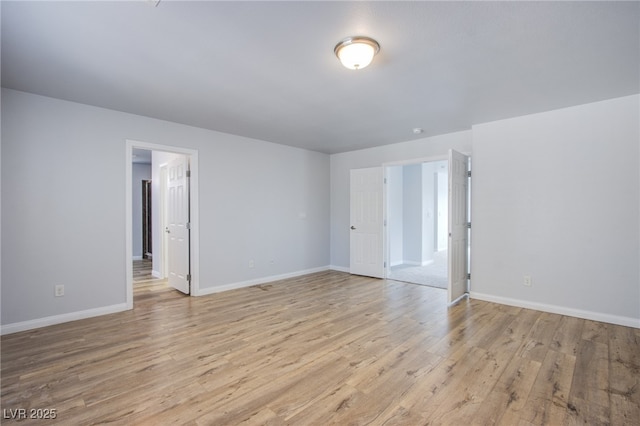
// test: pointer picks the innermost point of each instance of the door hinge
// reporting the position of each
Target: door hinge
(469, 276)
(384, 264)
(385, 222)
(469, 173)
(188, 225)
(188, 277)
(469, 225)
(188, 173)
(385, 180)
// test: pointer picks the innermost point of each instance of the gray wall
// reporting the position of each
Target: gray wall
(395, 201)
(428, 211)
(412, 214)
(556, 196)
(58, 228)
(442, 212)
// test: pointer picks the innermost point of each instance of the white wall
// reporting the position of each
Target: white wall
(443, 210)
(65, 230)
(433, 147)
(428, 206)
(412, 214)
(556, 196)
(394, 214)
(139, 173)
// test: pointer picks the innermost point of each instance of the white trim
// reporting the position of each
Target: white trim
(412, 263)
(249, 283)
(561, 310)
(339, 268)
(453, 302)
(59, 319)
(156, 274)
(194, 212)
(420, 160)
(128, 227)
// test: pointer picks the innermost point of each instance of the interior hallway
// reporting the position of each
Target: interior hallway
(143, 280)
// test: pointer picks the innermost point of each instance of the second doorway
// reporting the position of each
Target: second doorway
(417, 221)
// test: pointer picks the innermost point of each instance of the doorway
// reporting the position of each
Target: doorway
(147, 224)
(417, 223)
(159, 269)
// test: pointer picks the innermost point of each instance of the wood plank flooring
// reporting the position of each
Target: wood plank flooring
(142, 270)
(145, 285)
(326, 348)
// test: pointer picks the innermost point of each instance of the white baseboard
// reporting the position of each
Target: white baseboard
(156, 274)
(339, 268)
(411, 263)
(58, 319)
(554, 309)
(257, 281)
(73, 316)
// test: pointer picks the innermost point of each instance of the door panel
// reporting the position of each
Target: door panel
(178, 223)
(458, 231)
(366, 254)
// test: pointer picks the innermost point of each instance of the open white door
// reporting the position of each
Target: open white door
(366, 242)
(458, 230)
(178, 223)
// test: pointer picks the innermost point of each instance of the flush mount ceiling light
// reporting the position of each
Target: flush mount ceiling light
(356, 52)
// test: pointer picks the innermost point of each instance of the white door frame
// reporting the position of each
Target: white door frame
(386, 197)
(195, 220)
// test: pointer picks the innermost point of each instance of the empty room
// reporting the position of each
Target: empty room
(320, 212)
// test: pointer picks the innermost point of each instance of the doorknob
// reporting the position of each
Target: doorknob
(353, 227)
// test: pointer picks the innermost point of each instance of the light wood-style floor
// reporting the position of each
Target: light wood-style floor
(142, 270)
(327, 348)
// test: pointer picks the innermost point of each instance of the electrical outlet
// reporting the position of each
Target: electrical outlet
(59, 290)
(527, 281)
(251, 264)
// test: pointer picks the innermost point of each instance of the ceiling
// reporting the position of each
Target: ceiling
(267, 70)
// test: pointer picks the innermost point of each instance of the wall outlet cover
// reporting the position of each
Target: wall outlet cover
(59, 290)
